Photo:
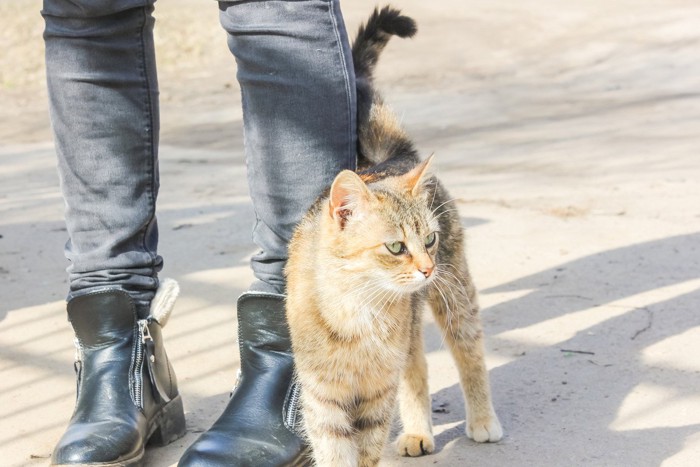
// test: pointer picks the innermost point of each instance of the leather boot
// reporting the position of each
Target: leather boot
(127, 392)
(259, 425)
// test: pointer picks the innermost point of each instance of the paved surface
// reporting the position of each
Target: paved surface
(570, 137)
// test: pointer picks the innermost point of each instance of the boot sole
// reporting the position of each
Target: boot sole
(134, 462)
(166, 426)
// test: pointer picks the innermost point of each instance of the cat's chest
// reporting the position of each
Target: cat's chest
(371, 323)
(361, 337)
(376, 348)
(364, 363)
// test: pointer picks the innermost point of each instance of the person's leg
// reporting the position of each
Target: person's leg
(298, 88)
(104, 110)
(103, 97)
(298, 94)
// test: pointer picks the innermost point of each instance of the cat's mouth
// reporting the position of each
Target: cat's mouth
(415, 282)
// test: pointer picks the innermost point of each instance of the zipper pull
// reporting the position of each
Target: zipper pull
(146, 339)
(78, 364)
(149, 347)
(78, 350)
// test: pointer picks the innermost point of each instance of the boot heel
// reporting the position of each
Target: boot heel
(170, 423)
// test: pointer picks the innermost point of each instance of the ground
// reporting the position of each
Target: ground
(568, 132)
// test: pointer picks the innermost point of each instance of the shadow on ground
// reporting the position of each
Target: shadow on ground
(609, 308)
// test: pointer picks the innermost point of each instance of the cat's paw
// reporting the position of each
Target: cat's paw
(485, 430)
(411, 445)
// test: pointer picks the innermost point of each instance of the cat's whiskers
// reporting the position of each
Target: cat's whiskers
(384, 300)
(450, 280)
(347, 295)
(446, 211)
(447, 307)
(375, 314)
(442, 204)
(367, 291)
(434, 183)
(393, 324)
(375, 297)
(458, 279)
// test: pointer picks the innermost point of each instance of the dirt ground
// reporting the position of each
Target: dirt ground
(569, 132)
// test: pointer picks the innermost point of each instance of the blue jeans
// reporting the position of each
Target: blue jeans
(298, 93)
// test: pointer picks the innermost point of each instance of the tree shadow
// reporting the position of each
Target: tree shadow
(596, 392)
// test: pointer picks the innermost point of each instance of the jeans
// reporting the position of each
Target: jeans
(298, 93)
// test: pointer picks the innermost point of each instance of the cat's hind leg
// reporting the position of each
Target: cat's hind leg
(454, 302)
(414, 397)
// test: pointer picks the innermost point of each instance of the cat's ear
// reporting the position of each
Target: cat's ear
(348, 194)
(418, 175)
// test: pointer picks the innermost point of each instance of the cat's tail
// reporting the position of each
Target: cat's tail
(380, 136)
(375, 34)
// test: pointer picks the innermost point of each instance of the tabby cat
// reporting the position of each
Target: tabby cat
(363, 262)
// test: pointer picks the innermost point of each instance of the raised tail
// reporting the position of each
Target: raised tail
(380, 136)
(375, 34)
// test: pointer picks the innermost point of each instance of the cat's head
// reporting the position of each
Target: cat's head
(385, 232)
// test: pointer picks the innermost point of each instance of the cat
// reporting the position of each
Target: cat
(377, 246)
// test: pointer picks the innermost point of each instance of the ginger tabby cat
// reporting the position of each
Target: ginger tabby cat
(362, 264)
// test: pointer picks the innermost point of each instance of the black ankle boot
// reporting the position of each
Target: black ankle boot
(257, 428)
(127, 393)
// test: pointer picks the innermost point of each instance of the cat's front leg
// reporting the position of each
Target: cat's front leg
(372, 424)
(329, 431)
(414, 401)
(459, 320)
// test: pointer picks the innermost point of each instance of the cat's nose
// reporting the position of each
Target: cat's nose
(427, 271)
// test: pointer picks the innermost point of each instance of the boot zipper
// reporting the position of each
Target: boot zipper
(293, 407)
(78, 364)
(238, 381)
(143, 335)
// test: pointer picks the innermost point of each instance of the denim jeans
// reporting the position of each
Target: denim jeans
(298, 93)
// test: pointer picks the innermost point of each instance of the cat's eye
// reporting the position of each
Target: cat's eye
(395, 248)
(430, 239)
